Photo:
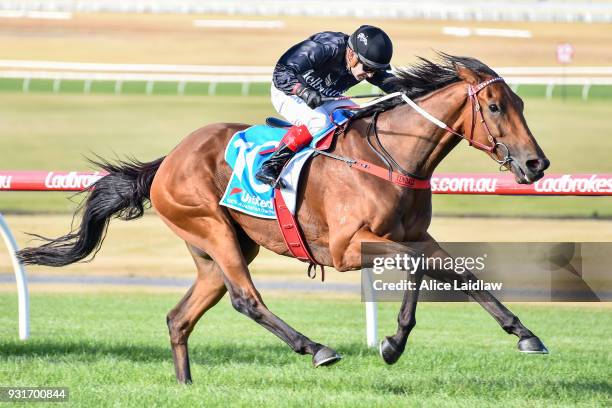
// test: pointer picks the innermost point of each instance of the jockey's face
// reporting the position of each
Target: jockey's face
(359, 71)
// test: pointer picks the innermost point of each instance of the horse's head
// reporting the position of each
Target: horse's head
(494, 122)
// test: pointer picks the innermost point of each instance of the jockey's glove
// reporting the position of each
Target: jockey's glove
(310, 96)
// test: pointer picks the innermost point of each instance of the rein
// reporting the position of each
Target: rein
(404, 178)
(298, 247)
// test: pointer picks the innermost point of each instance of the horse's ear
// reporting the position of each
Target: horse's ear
(466, 74)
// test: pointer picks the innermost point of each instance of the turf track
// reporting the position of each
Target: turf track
(112, 350)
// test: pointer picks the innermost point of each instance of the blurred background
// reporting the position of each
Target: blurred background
(132, 78)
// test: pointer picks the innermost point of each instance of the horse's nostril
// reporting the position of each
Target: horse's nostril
(537, 165)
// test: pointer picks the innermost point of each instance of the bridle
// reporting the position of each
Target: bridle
(472, 92)
(403, 177)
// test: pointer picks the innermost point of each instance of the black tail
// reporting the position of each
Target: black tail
(123, 193)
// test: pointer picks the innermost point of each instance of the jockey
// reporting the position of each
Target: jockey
(324, 65)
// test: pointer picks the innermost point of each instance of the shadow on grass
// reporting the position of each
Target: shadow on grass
(211, 355)
(277, 355)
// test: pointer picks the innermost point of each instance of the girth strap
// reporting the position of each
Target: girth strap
(293, 235)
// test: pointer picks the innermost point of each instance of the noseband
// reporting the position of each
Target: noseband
(472, 92)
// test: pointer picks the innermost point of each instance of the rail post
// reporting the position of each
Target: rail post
(21, 279)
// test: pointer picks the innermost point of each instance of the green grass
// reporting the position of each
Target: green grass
(55, 131)
(112, 350)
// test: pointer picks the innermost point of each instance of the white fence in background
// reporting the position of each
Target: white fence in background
(466, 10)
(256, 69)
(35, 15)
(182, 75)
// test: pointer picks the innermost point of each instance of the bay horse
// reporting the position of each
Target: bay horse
(340, 208)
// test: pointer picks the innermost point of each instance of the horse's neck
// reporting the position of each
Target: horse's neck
(414, 142)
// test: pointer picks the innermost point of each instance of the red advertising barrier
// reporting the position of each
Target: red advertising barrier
(505, 184)
(442, 183)
(46, 180)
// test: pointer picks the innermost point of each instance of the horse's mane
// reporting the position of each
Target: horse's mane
(425, 77)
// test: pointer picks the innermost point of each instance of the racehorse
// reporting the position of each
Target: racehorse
(340, 208)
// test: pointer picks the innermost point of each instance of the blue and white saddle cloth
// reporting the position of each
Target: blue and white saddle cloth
(245, 193)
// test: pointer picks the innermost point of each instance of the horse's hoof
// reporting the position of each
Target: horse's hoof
(325, 356)
(532, 345)
(389, 351)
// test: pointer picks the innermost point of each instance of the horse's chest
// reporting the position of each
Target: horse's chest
(405, 219)
(384, 217)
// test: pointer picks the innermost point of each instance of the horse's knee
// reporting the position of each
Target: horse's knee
(246, 305)
(179, 330)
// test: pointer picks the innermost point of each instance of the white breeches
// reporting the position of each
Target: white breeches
(295, 110)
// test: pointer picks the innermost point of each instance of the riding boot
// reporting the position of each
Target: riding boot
(294, 140)
(270, 170)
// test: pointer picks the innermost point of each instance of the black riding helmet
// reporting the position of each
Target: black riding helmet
(373, 47)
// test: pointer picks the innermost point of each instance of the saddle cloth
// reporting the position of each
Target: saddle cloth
(245, 153)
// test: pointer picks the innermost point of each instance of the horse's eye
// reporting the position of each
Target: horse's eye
(493, 108)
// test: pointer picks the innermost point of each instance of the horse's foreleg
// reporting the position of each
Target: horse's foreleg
(392, 347)
(528, 342)
(207, 290)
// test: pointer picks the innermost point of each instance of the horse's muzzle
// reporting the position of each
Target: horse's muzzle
(529, 171)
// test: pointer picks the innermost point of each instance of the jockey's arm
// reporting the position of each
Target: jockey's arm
(299, 59)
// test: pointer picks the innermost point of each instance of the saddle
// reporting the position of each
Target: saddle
(245, 153)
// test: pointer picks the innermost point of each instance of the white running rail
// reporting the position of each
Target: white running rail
(60, 71)
(21, 278)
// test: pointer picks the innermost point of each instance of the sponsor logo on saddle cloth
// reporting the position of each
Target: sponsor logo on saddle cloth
(243, 153)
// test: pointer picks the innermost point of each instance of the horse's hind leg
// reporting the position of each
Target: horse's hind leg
(206, 291)
(223, 246)
(215, 234)
(528, 342)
